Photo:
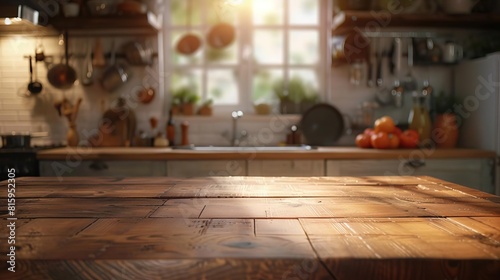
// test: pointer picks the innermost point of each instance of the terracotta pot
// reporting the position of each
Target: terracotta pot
(445, 131)
(187, 109)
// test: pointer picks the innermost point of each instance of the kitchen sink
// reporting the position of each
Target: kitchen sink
(245, 148)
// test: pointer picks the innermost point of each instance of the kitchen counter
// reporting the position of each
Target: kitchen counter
(132, 153)
(250, 228)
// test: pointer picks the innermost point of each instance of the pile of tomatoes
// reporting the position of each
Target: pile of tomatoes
(386, 135)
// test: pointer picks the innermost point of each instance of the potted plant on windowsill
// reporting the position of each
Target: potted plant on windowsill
(184, 100)
(205, 108)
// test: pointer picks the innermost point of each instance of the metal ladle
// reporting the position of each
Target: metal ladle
(34, 87)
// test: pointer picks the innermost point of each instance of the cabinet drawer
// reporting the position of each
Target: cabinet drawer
(286, 168)
(103, 168)
(200, 168)
(475, 173)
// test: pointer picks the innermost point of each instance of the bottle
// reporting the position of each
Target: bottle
(170, 129)
(419, 118)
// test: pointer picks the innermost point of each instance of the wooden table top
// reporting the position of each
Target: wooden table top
(250, 228)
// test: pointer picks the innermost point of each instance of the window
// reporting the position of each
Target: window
(276, 41)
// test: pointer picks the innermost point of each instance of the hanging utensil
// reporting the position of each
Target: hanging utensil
(410, 83)
(369, 61)
(398, 90)
(98, 60)
(116, 75)
(62, 76)
(190, 42)
(34, 86)
(378, 76)
(88, 72)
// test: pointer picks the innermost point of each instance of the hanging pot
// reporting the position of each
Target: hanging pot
(62, 76)
(221, 35)
(190, 42)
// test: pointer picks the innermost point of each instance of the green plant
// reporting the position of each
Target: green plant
(207, 103)
(296, 91)
(444, 103)
(185, 94)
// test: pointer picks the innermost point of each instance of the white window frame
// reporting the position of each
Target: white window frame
(246, 67)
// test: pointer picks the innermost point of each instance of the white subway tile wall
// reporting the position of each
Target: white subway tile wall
(37, 113)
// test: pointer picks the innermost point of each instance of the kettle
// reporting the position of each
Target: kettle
(458, 6)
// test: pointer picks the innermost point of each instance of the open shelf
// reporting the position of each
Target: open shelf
(144, 23)
(345, 21)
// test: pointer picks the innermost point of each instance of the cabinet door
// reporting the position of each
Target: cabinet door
(103, 168)
(200, 168)
(286, 168)
(475, 173)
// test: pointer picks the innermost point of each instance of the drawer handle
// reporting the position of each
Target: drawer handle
(98, 166)
(415, 163)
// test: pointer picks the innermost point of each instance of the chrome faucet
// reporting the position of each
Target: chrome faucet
(235, 138)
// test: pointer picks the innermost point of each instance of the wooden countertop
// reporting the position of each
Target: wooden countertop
(250, 228)
(120, 153)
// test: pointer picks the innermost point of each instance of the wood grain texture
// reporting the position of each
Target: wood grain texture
(138, 153)
(252, 228)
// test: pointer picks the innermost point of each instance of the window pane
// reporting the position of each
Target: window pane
(309, 78)
(179, 13)
(268, 46)
(227, 55)
(267, 12)
(222, 86)
(179, 59)
(304, 47)
(263, 85)
(304, 12)
(220, 11)
(190, 78)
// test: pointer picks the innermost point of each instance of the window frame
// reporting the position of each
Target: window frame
(245, 67)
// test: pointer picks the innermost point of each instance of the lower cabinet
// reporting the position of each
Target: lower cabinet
(286, 168)
(200, 168)
(119, 168)
(475, 173)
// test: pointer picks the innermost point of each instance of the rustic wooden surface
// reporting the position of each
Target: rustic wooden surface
(251, 228)
(137, 153)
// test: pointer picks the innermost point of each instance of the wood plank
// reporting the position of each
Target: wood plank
(278, 227)
(307, 207)
(57, 227)
(412, 269)
(210, 246)
(86, 207)
(223, 269)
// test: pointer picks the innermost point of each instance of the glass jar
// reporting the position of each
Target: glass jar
(419, 119)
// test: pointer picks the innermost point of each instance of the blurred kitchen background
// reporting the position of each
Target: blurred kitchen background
(299, 42)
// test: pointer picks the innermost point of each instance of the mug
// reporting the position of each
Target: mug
(452, 52)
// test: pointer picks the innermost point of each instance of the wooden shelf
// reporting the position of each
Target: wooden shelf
(371, 20)
(144, 23)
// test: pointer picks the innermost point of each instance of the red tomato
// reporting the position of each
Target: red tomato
(369, 132)
(380, 140)
(393, 141)
(384, 124)
(397, 131)
(409, 139)
(363, 141)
